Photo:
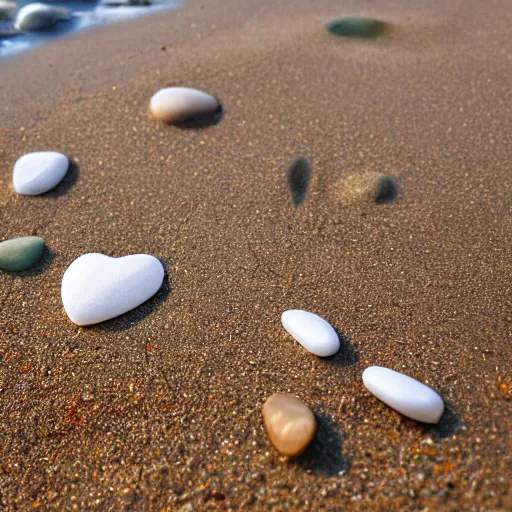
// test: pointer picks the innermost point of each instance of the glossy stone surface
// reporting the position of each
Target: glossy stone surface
(404, 394)
(311, 331)
(290, 423)
(96, 287)
(38, 16)
(39, 172)
(355, 26)
(178, 104)
(22, 253)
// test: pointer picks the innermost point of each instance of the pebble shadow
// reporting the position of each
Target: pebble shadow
(346, 355)
(202, 122)
(448, 425)
(388, 190)
(67, 183)
(324, 456)
(137, 315)
(299, 178)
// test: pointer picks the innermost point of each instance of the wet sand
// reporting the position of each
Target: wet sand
(160, 409)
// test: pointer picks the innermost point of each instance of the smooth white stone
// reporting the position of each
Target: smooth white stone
(96, 287)
(311, 331)
(36, 16)
(177, 104)
(404, 394)
(36, 173)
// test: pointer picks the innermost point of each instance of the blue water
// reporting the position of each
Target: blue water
(83, 14)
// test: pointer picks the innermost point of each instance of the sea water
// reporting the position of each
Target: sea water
(83, 14)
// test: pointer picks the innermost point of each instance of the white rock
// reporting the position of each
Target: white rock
(96, 287)
(311, 331)
(404, 394)
(39, 16)
(36, 173)
(177, 104)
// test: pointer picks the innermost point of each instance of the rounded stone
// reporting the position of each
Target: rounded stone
(290, 423)
(36, 173)
(314, 333)
(96, 287)
(22, 253)
(404, 394)
(178, 104)
(355, 26)
(35, 16)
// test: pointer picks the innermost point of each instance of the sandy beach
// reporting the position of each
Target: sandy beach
(160, 408)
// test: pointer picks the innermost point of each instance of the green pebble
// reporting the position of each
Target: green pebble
(20, 253)
(355, 26)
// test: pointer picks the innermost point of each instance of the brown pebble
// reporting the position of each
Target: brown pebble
(290, 423)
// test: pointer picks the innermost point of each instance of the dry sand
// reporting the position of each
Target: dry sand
(160, 409)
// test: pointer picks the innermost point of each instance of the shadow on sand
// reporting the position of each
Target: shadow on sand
(324, 456)
(201, 122)
(346, 355)
(448, 425)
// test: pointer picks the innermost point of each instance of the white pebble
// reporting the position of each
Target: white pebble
(177, 104)
(39, 16)
(311, 331)
(404, 394)
(36, 173)
(96, 287)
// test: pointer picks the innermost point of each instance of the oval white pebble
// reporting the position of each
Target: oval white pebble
(404, 394)
(96, 287)
(311, 331)
(36, 173)
(35, 17)
(177, 104)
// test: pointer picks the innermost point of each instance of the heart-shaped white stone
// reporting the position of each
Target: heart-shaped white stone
(96, 287)
(311, 331)
(36, 173)
(404, 394)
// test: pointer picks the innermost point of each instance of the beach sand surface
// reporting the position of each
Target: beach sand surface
(160, 409)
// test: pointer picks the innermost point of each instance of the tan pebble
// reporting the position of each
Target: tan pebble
(290, 423)
(178, 104)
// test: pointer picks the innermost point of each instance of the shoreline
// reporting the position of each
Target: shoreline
(160, 409)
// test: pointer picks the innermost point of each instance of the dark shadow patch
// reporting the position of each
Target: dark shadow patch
(67, 183)
(387, 190)
(346, 355)
(41, 266)
(324, 456)
(448, 425)
(299, 178)
(140, 313)
(201, 122)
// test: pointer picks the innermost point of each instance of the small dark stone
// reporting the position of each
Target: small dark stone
(355, 26)
(299, 177)
(21, 253)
